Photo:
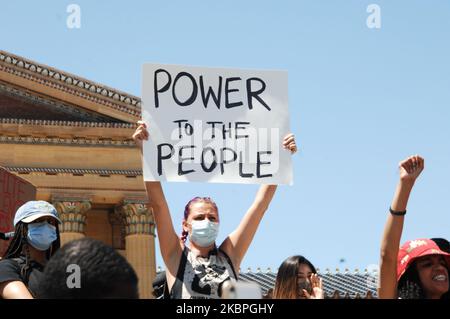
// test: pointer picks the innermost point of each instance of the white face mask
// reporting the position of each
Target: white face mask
(204, 232)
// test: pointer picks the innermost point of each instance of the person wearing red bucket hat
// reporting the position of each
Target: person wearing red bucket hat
(422, 270)
(419, 268)
(36, 239)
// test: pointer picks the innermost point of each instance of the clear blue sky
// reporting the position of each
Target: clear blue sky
(360, 101)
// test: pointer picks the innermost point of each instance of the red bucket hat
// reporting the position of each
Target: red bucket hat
(413, 249)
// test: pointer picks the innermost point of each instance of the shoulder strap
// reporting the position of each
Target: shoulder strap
(229, 262)
(175, 292)
(21, 265)
(166, 292)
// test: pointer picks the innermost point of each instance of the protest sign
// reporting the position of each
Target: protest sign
(215, 125)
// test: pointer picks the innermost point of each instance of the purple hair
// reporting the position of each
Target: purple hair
(187, 210)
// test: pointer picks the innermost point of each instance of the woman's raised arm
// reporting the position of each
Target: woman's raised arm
(170, 244)
(410, 169)
(238, 242)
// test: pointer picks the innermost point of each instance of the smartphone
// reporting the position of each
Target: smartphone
(241, 290)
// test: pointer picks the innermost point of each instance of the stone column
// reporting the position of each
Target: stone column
(140, 242)
(73, 216)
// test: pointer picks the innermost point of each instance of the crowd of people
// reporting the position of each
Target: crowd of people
(34, 265)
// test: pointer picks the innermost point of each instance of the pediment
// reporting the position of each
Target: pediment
(21, 104)
(30, 90)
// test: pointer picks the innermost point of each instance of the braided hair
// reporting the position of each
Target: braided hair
(187, 210)
(409, 286)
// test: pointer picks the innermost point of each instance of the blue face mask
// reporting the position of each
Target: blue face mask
(41, 235)
(204, 232)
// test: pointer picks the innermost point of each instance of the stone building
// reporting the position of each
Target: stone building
(71, 138)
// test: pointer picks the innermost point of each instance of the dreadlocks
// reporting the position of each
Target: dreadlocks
(15, 247)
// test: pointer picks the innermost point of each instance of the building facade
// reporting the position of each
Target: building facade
(71, 138)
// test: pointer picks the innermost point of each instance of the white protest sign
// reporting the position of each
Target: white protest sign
(215, 125)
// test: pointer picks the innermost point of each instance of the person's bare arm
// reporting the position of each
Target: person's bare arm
(14, 290)
(170, 244)
(410, 169)
(238, 242)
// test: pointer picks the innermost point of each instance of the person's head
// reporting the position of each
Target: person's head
(88, 269)
(201, 222)
(293, 276)
(35, 227)
(422, 270)
(442, 243)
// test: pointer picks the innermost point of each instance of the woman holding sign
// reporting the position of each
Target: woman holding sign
(200, 269)
(419, 269)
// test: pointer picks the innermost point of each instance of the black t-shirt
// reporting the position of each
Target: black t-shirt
(10, 270)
